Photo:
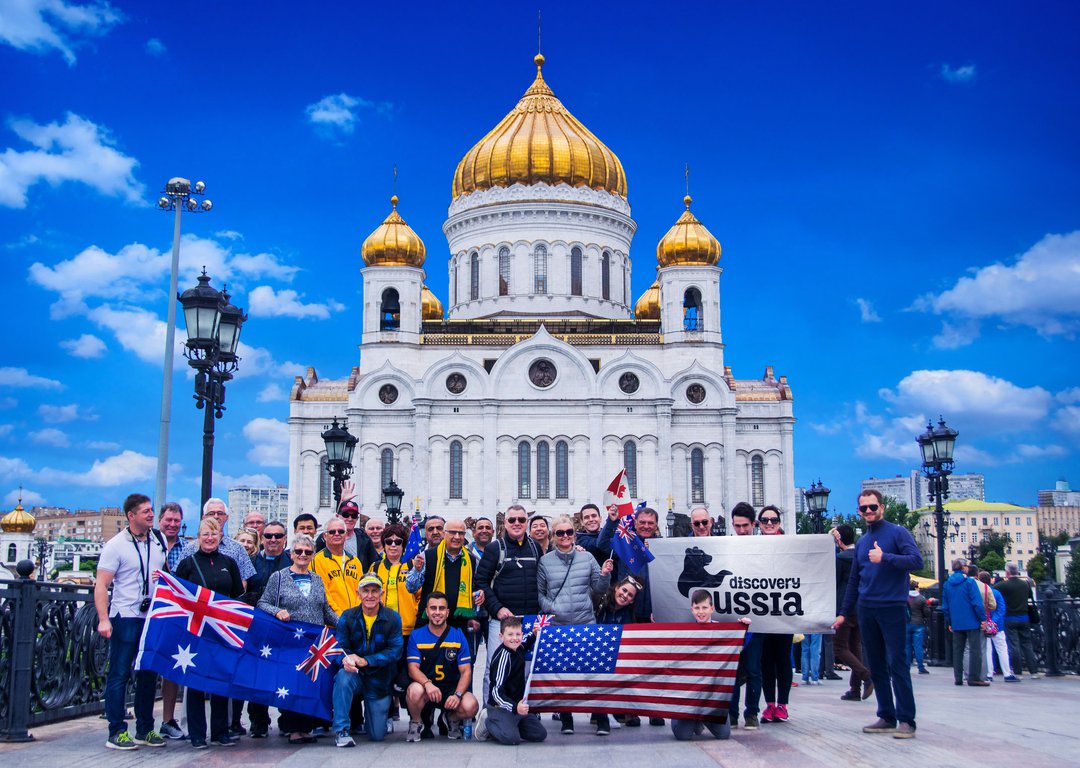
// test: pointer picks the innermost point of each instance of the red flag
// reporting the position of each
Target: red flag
(617, 495)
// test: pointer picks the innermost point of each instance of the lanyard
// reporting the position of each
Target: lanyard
(144, 568)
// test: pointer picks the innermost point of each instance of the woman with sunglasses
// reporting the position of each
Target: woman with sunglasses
(297, 594)
(776, 663)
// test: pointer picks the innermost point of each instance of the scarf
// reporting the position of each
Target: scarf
(463, 606)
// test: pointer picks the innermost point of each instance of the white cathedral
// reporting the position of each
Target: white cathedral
(543, 380)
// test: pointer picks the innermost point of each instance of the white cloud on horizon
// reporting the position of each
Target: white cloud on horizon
(264, 301)
(122, 469)
(272, 393)
(269, 440)
(867, 313)
(62, 414)
(222, 480)
(339, 113)
(155, 47)
(50, 436)
(87, 347)
(46, 25)
(962, 75)
(29, 498)
(77, 150)
(20, 377)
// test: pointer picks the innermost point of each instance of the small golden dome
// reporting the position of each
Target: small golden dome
(430, 306)
(539, 141)
(688, 242)
(393, 243)
(18, 520)
(648, 306)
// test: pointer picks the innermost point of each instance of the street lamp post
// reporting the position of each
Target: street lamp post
(41, 547)
(340, 445)
(213, 330)
(817, 501)
(176, 197)
(393, 496)
(937, 444)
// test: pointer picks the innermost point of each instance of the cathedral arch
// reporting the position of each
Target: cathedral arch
(692, 317)
(504, 271)
(474, 276)
(575, 271)
(390, 310)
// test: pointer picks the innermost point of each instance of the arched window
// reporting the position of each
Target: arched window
(605, 276)
(629, 452)
(543, 470)
(12, 553)
(386, 468)
(455, 469)
(390, 311)
(504, 271)
(524, 470)
(474, 277)
(540, 266)
(692, 320)
(757, 481)
(575, 271)
(453, 281)
(325, 482)
(697, 476)
(562, 470)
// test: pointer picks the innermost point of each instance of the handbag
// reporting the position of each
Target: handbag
(990, 628)
(1033, 613)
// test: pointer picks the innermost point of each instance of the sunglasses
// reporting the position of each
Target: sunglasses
(632, 582)
(433, 527)
(702, 523)
(769, 520)
(455, 533)
(868, 508)
(303, 552)
(565, 532)
(336, 533)
(393, 542)
(350, 515)
(273, 536)
(516, 519)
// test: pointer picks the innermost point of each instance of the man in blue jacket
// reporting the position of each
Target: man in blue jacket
(884, 557)
(370, 636)
(965, 616)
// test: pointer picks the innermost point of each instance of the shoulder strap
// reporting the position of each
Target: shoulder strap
(502, 559)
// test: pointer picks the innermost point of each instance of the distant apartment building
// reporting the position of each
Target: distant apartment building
(914, 491)
(1061, 496)
(271, 501)
(54, 523)
(974, 520)
(800, 501)
(1059, 519)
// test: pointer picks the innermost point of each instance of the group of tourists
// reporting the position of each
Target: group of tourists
(410, 631)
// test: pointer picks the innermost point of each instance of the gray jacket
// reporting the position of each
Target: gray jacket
(281, 592)
(566, 583)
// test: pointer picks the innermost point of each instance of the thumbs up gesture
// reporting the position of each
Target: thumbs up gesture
(875, 553)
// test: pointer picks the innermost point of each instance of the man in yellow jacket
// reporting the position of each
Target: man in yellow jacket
(340, 572)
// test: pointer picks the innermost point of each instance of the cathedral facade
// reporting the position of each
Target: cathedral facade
(544, 378)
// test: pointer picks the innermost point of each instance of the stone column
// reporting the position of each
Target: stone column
(421, 455)
(489, 501)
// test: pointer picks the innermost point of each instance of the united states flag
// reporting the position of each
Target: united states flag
(685, 671)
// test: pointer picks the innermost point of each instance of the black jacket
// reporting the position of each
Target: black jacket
(844, 560)
(513, 585)
(264, 568)
(212, 570)
(507, 672)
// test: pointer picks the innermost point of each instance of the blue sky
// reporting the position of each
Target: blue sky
(894, 186)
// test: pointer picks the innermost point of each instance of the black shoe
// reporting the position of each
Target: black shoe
(656, 721)
(851, 696)
(259, 732)
(237, 730)
(632, 721)
(832, 676)
(924, 671)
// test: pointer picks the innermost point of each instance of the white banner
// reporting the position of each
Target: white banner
(783, 584)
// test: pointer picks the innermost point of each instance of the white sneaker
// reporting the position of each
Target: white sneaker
(413, 735)
(344, 740)
(480, 730)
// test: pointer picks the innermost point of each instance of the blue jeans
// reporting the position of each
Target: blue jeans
(751, 665)
(884, 633)
(811, 657)
(123, 646)
(348, 685)
(915, 634)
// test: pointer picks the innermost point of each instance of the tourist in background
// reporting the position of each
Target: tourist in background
(918, 618)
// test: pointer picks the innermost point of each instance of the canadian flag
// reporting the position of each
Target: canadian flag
(617, 495)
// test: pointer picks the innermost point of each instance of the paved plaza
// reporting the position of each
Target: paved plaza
(1030, 724)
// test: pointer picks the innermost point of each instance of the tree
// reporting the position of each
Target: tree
(898, 512)
(1072, 574)
(992, 561)
(995, 542)
(1036, 568)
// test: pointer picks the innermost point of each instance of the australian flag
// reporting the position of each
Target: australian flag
(415, 545)
(211, 643)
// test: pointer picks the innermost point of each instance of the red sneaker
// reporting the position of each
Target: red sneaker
(769, 715)
(780, 713)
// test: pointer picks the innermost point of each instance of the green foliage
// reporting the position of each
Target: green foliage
(898, 512)
(1072, 575)
(992, 561)
(1036, 568)
(1059, 539)
(995, 542)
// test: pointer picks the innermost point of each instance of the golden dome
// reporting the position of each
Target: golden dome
(18, 520)
(393, 243)
(688, 242)
(539, 141)
(430, 306)
(648, 306)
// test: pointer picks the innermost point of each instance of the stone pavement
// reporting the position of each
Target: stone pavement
(1030, 724)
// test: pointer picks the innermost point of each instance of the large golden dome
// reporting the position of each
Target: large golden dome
(430, 306)
(18, 520)
(539, 142)
(648, 306)
(393, 243)
(688, 242)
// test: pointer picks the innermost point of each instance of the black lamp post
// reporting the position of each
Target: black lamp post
(817, 501)
(339, 452)
(213, 330)
(937, 444)
(41, 549)
(393, 496)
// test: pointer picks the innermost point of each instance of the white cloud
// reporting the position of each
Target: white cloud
(77, 150)
(155, 47)
(1026, 451)
(255, 265)
(827, 429)
(29, 498)
(88, 346)
(228, 234)
(5, 429)
(1041, 290)
(1068, 396)
(61, 414)
(259, 361)
(7, 403)
(960, 75)
(95, 273)
(1067, 420)
(232, 481)
(893, 439)
(103, 445)
(264, 301)
(272, 393)
(867, 313)
(269, 440)
(138, 330)
(122, 469)
(956, 335)
(339, 113)
(20, 377)
(45, 25)
(50, 436)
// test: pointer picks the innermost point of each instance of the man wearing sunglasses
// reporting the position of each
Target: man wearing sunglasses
(357, 543)
(701, 522)
(884, 557)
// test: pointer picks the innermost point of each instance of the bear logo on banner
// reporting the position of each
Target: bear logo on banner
(695, 575)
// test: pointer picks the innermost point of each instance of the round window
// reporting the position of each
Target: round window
(695, 393)
(455, 383)
(629, 383)
(542, 373)
(388, 393)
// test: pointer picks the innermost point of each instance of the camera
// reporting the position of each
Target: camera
(144, 606)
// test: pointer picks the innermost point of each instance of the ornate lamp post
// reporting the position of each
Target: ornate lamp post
(213, 330)
(41, 549)
(817, 501)
(937, 444)
(339, 453)
(393, 496)
(176, 197)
